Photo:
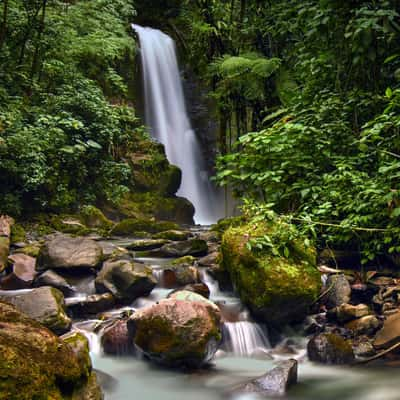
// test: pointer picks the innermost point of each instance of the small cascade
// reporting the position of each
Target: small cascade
(242, 338)
(88, 328)
(168, 120)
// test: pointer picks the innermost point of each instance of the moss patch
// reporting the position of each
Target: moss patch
(18, 233)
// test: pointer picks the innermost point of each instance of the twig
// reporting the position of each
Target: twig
(381, 354)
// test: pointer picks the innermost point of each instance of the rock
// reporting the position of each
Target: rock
(314, 324)
(45, 305)
(348, 312)
(51, 278)
(173, 235)
(23, 272)
(177, 332)
(146, 244)
(32, 250)
(274, 383)
(389, 335)
(364, 349)
(91, 390)
(80, 346)
(93, 304)
(94, 218)
(184, 261)
(278, 290)
(339, 291)
(173, 277)
(208, 260)
(199, 288)
(131, 226)
(34, 362)
(330, 348)
(364, 325)
(191, 247)
(5, 231)
(116, 339)
(66, 252)
(125, 279)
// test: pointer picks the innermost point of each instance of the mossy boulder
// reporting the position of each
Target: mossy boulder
(45, 305)
(4, 252)
(191, 247)
(94, 218)
(71, 224)
(185, 260)
(278, 289)
(178, 332)
(18, 234)
(132, 226)
(32, 250)
(36, 364)
(173, 235)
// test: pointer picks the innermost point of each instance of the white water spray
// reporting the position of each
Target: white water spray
(168, 120)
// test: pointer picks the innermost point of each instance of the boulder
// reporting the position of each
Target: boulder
(364, 325)
(274, 383)
(330, 348)
(131, 226)
(191, 247)
(116, 339)
(69, 253)
(23, 272)
(45, 305)
(173, 235)
(5, 233)
(94, 218)
(199, 288)
(208, 260)
(146, 244)
(35, 363)
(389, 335)
(93, 304)
(176, 276)
(338, 291)
(180, 331)
(51, 278)
(348, 312)
(80, 346)
(277, 289)
(125, 279)
(91, 390)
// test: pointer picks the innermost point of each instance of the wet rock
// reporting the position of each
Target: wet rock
(199, 288)
(45, 305)
(51, 278)
(208, 260)
(261, 354)
(389, 335)
(90, 390)
(32, 250)
(179, 276)
(66, 252)
(364, 325)
(92, 304)
(4, 252)
(180, 331)
(34, 362)
(116, 339)
(23, 272)
(364, 349)
(192, 247)
(222, 277)
(274, 383)
(131, 226)
(348, 312)
(173, 235)
(330, 348)
(314, 324)
(125, 279)
(80, 346)
(146, 244)
(339, 291)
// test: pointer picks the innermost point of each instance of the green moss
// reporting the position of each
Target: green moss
(69, 224)
(276, 288)
(94, 218)
(184, 260)
(18, 233)
(173, 235)
(4, 252)
(30, 250)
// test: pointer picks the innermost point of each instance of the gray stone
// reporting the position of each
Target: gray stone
(339, 291)
(45, 305)
(92, 304)
(146, 244)
(66, 252)
(23, 272)
(368, 325)
(191, 247)
(348, 312)
(51, 278)
(389, 335)
(274, 383)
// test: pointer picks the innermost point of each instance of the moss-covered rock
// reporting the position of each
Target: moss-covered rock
(35, 363)
(4, 252)
(31, 250)
(69, 224)
(191, 247)
(18, 234)
(92, 217)
(132, 226)
(186, 260)
(173, 235)
(277, 289)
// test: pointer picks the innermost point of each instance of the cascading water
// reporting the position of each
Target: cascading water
(168, 120)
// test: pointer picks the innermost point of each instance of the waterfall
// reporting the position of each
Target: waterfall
(166, 115)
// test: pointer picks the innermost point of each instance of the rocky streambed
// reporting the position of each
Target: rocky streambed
(160, 317)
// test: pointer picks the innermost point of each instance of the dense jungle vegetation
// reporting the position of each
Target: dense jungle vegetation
(306, 94)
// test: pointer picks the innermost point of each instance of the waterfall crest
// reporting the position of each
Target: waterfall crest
(166, 115)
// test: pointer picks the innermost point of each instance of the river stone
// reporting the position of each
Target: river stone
(330, 348)
(125, 279)
(348, 312)
(51, 278)
(173, 235)
(274, 383)
(368, 325)
(93, 304)
(45, 305)
(66, 252)
(191, 247)
(339, 291)
(116, 340)
(389, 335)
(80, 346)
(91, 390)
(178, 332)
(4, 252)
(34, 362)
(146, 244)
(173, 277)
(208, 260)
(23, 272)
